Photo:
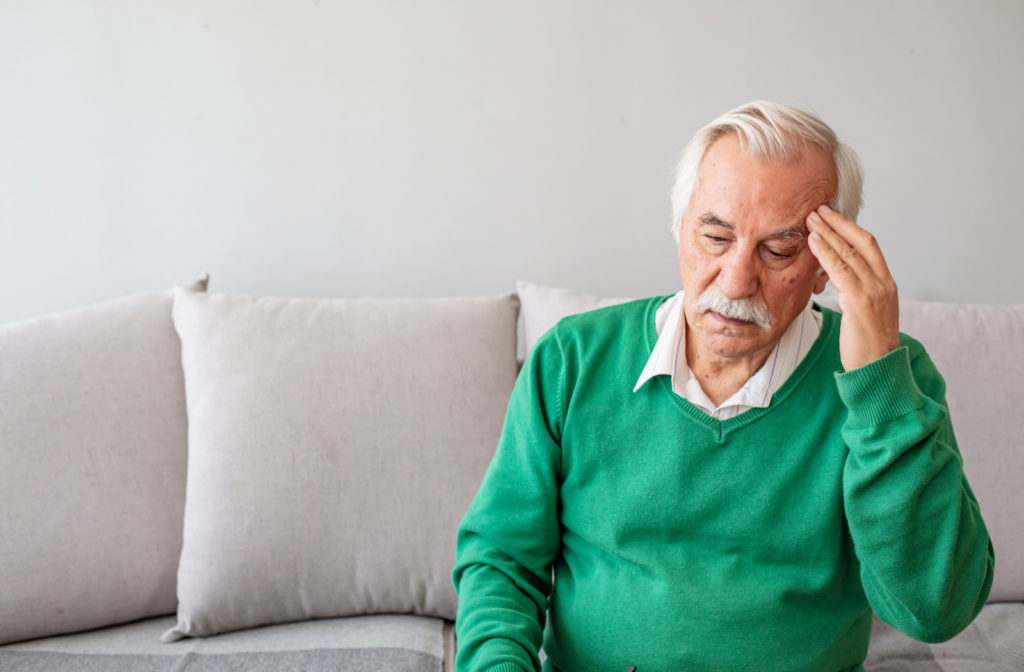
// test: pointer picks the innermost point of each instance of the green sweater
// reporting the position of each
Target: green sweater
(679, 542)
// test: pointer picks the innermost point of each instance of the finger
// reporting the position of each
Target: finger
(837, 270)
(836, 256)
(857, 237)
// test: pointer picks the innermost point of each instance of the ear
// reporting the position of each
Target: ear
(820, 281)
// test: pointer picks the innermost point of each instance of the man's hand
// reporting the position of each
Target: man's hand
(867, 292)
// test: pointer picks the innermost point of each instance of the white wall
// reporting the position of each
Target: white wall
(430, 148)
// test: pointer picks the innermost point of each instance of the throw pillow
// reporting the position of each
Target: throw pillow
(334, 446)
(92, 467)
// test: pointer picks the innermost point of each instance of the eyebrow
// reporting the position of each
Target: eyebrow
(797, 231)
(713, 220)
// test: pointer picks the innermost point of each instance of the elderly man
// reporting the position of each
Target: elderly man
(732, 477)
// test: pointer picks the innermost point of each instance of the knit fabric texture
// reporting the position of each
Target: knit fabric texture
(624, 529)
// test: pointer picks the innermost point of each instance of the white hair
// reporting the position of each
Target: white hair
(772, 132)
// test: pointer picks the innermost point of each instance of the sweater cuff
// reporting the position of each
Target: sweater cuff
(505, 667)
(880, 391)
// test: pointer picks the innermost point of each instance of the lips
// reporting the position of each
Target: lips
(729, 320)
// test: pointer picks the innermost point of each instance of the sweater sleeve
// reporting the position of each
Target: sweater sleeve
(507, 540)
(926, 560)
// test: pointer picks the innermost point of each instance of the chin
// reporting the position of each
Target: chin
(732, 346)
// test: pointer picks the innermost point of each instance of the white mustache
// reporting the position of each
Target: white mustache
(748, 310)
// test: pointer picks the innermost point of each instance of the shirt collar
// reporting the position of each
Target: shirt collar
(668, 358)
(668, 322)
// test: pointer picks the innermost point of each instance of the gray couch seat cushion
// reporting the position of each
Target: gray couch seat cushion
(401, 643)
(994, 642)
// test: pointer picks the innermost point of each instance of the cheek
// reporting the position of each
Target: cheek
(687, 259)
(788, 285)
(799, 274)
(799, 279)
(692, 256)
(693, 273)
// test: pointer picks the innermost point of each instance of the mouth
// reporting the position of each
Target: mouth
(729, 321)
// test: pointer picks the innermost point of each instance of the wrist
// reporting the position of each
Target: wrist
(881, 390)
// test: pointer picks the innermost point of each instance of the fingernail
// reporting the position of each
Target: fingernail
(825, 209)
(815, 217)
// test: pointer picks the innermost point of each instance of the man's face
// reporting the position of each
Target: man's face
(744, 236)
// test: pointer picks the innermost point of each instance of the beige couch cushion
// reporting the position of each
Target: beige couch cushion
(980, 351)
(92, 467)
(334, 445)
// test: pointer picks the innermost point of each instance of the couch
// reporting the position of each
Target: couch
(195, 481)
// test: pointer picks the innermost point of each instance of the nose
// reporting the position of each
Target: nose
(738, 277)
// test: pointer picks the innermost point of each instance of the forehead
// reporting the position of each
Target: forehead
(736, 185)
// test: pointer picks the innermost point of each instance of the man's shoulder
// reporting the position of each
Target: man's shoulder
(628, 325)
(608, 341)
(634, 315)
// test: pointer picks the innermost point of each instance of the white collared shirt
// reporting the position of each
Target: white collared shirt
(669, 359)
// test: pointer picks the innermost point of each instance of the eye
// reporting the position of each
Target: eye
(778, 254)
(713, 244)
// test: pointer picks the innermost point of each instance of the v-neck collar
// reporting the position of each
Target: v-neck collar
(721, 427)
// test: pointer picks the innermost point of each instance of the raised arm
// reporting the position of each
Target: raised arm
(926, 557)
